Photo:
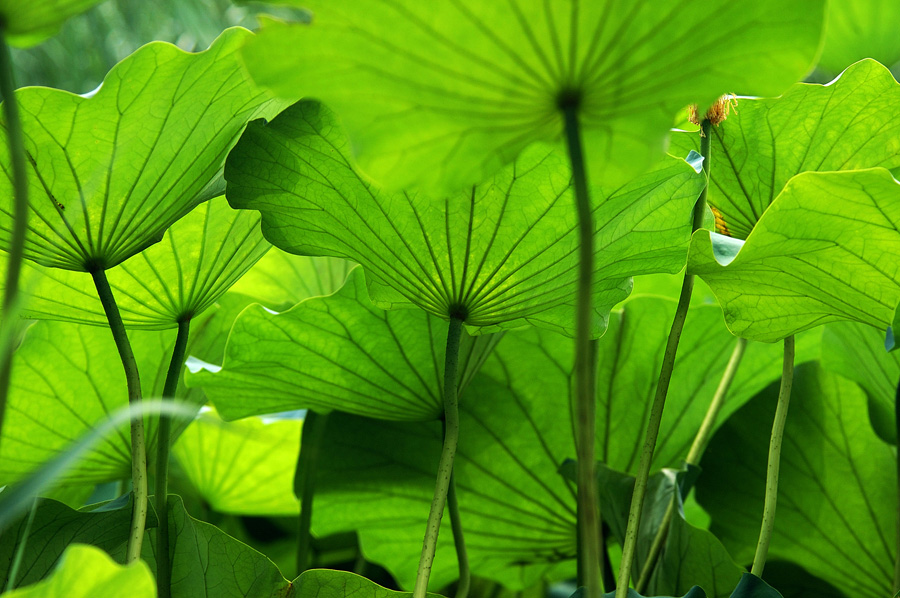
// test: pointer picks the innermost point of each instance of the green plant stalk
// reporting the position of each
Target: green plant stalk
(20, 549)
(462, 557)
(16, 140)
(701, 440)
(662, 388)
(173, 375)
(138, 446)
(311, 435)
(588, 506)
(448, 453)
(781, 411)
(897, 558)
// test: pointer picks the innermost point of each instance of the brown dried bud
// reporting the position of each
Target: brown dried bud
(721, 227)
(717, 112)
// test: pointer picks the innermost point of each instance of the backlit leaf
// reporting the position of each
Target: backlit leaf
(109, 174)
(501, 255)
(823, 251)
(442, 94)
(29, 23)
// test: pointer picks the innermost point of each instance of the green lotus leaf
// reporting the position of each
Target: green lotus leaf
(849, 124)
(837, 508)
(437, 94)
(109, 174)
(66, 379)
(54, 527)
(690, 557)
(857, 30)
(281, 280)
(501, 255)
(856, 351)
(518, 513)
(244, 467)
(338, 352)
(29, 23)
(327, 583)
(823, 251)
(208, 562)
(88, 572)
(199, 258)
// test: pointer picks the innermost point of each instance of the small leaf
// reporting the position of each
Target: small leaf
(67, 379)
(326, 583)
(837, 508)
(88, 572)
(444, 95)
(856, 351)
(244, 467)
(56, 526)
(199, 258)
(208, 562)
(849, 124)
(109, 174)
(355, 357)
(29, 23)
(501, 254)
(752, 586)
(823, 251)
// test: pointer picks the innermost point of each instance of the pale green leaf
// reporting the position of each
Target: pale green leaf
(856, 30)
(338, 352)
(199, 258)
(500, 255)
(109, 174)
(823, 251)
(849, 124)
(837, 495)
(66, 380)
(445, 93)
(29, 23)
(244, 467)
(88, 572)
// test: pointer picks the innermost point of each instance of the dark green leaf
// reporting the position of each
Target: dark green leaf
(837, 503)
(325, 583)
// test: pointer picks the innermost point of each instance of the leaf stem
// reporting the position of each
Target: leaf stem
(311, 435)
(588, 507)
(20, 548)
(465, 576)
(701, 440)
(781, 411)
(662, 388)
(173, 376)
(448, 452)
(16, 140)
(138, 446)
(897, 559)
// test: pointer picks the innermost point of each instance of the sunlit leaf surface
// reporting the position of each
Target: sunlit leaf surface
(446, 93)
(500, 255)
(109, 174)
(825, 250)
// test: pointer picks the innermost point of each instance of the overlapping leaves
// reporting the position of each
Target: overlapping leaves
(108, 174)
(439, 94)
(500, 255)
(199, 258)
(338, 352)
